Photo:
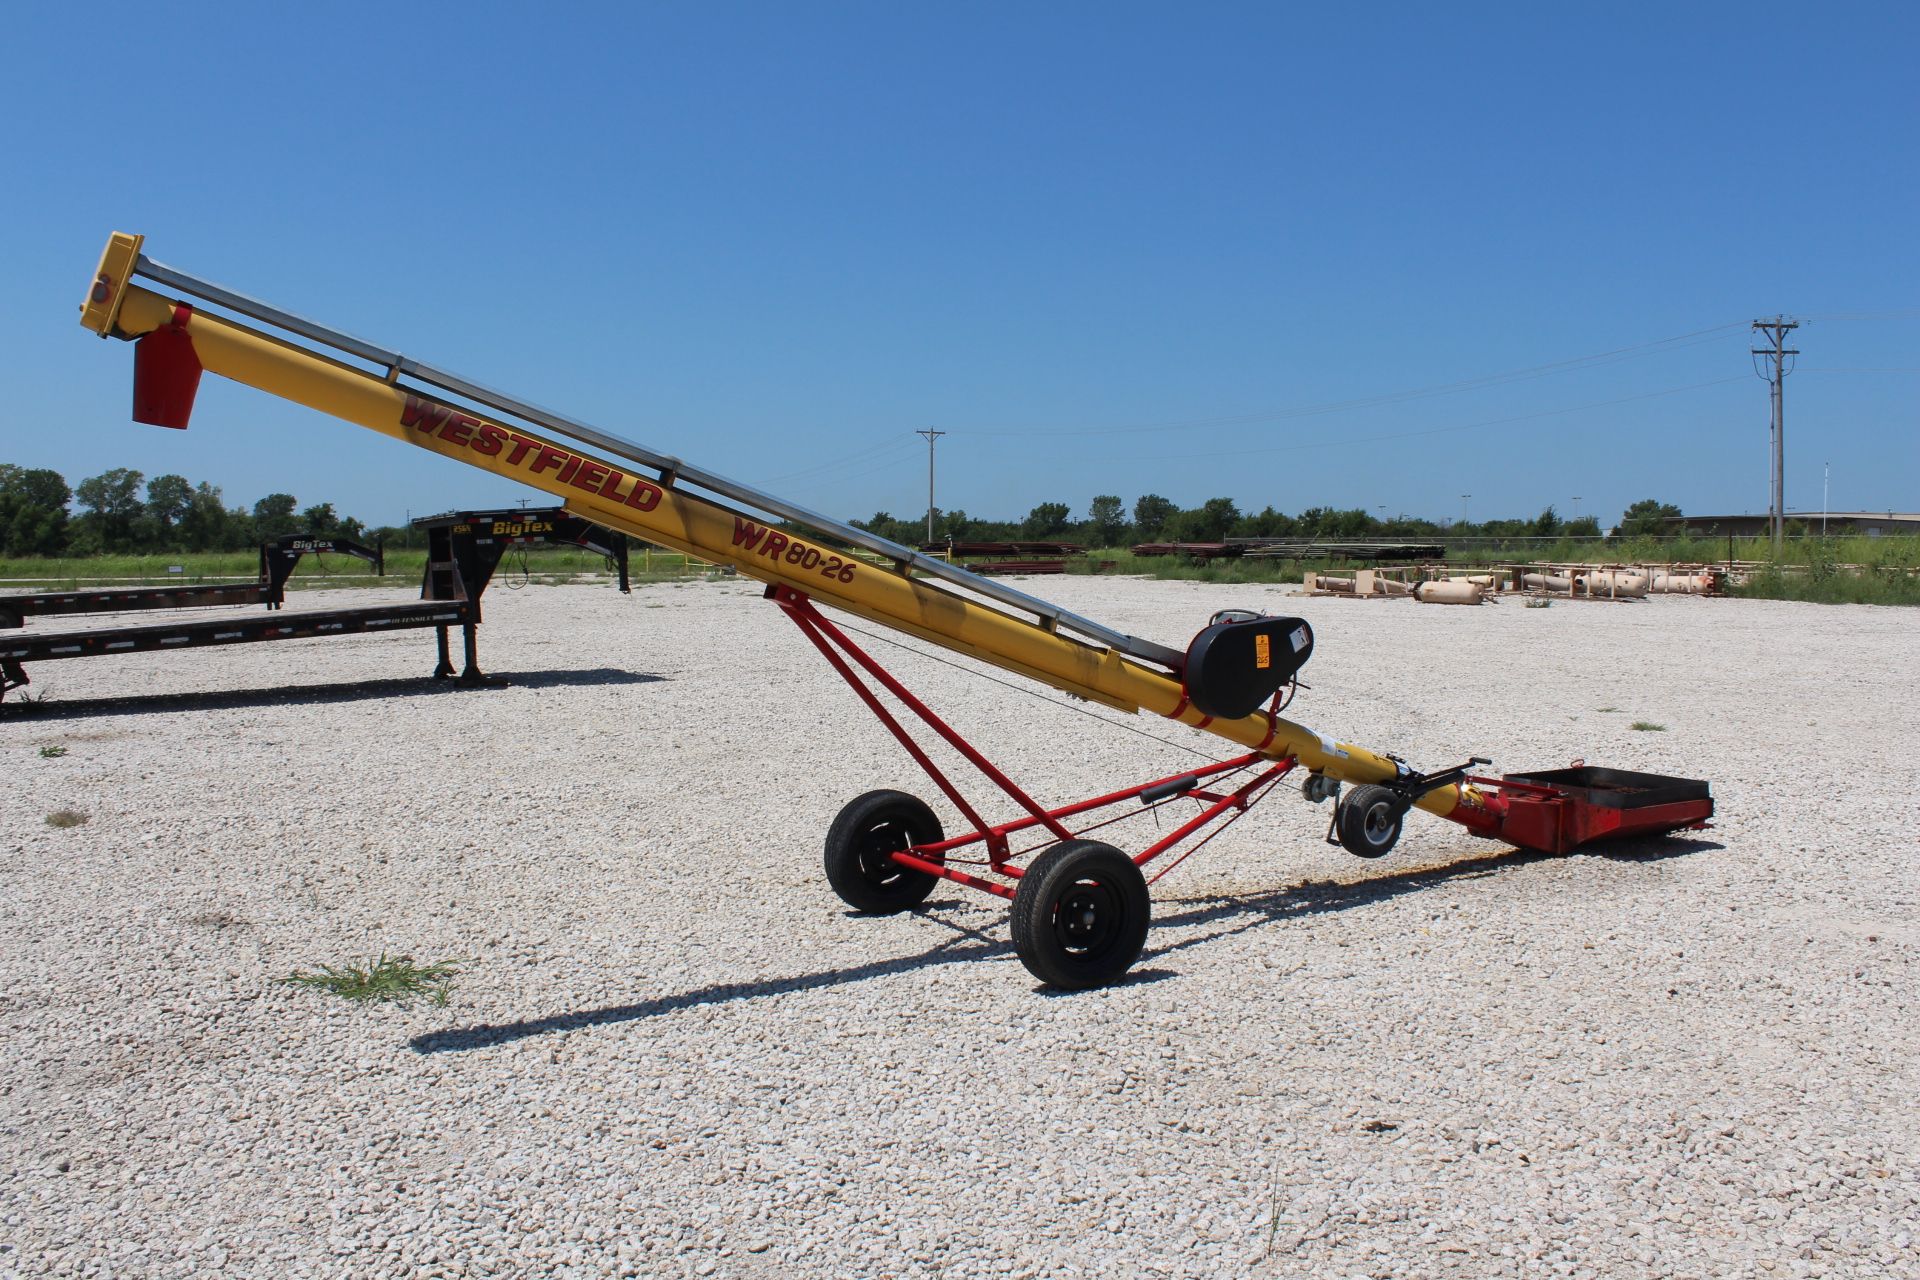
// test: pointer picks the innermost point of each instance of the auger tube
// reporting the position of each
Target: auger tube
(961, 612)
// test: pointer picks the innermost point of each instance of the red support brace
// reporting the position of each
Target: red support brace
(845, 656)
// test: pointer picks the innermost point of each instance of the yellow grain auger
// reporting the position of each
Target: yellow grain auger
(1080, 907)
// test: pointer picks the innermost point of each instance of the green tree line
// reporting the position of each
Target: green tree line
(121, 512)
(1110, 523)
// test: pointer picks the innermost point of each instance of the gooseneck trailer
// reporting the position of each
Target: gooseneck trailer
(277, 560)
(1080, 907)
(463, 550)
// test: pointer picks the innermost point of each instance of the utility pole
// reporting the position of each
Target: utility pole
(931, 436)
(1463, 507)
(1826, 479)
(1777, 330)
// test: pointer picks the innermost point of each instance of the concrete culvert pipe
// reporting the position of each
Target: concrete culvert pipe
(1453, 591)
(1614, 584)
(1681, 583)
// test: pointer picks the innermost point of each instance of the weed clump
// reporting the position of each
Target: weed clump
(1840, 571)
(1647, 726)
(66, 818)
(385, 980)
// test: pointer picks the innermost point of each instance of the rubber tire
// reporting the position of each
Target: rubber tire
(1370, 821)
(865, 831)
(1080, 875)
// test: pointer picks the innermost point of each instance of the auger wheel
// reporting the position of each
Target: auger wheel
(1080, 915)
(860, 848)
(1369, 820)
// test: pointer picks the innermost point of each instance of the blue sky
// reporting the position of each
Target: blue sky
(1109, 248)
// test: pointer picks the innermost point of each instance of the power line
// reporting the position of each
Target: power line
(1659, 346)
(824, 484)
(894, 445)
(1347, 442)
(1902, 313)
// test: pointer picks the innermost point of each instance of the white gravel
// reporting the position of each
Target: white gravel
(675, 1053)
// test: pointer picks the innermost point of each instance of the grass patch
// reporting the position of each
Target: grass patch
(1604, 710)
(1809, 569)
(386, 980)
(404, 569)
(52, 753)
(66, 818)
(1879, 585)
(1647, 726)
(1847, 570)
(1182, 569)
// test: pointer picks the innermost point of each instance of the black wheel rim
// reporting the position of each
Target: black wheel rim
(1088, 918)
(878, 844)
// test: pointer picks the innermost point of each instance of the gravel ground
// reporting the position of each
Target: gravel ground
(675, 1053)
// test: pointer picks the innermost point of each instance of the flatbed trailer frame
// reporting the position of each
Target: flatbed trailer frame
(15, 652)
(464, 550)
(278, 557)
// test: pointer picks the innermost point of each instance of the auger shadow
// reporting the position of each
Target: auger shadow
(310, 694)
(954, 950)
(970, 945)
(1322, 897)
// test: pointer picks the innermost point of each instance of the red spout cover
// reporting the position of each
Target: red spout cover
(166, 374)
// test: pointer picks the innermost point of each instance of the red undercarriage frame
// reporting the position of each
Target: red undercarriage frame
(1514, 809)
(1220, 807)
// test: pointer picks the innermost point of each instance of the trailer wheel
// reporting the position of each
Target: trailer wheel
(1080, 915)
(860, 842)
(1370, 820)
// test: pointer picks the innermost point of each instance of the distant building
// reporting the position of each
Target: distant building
(1871, 524)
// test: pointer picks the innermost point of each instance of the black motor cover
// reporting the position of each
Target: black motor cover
(1234, 667)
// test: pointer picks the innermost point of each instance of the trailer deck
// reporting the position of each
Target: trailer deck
(15, 652)
(464, 550)
(278, 558)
